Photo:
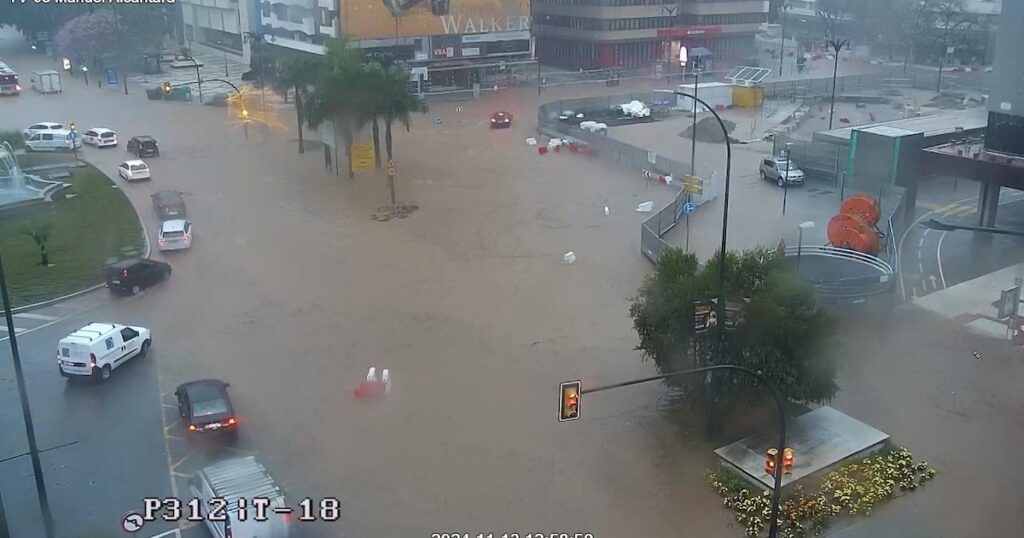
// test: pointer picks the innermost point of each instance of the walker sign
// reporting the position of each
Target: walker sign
(383, 19)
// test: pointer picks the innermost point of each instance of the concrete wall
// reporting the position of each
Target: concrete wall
(1007, 94)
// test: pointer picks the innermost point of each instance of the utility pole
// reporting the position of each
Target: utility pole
(26, 411)
(837, 46)
(782, 49)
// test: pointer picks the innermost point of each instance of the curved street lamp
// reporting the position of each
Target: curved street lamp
(836, 45)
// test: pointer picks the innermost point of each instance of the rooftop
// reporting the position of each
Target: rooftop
(940, 124)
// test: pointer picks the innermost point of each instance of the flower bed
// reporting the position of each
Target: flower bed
(852, 489)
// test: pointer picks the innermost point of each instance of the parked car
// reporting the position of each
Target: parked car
(40, 127)
(133, 170)
(168, 205)
(57, 140)
(781, 171)
(205, 407)
(501, 120)
(135, 274)
(175, 235)
(569, 116)
(100, 137)
(239, 478)
(143, 146)
(98, 348)
(594, 127)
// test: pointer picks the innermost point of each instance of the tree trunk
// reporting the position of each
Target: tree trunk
(376, 142)
(298, 113)
(347, 136)
(387, 145)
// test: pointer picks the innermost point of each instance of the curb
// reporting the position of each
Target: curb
(72, 295)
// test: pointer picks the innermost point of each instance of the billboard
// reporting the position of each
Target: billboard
(382, 19)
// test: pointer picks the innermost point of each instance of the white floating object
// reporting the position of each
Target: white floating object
(531, 141)
(371, 375)
(645, 207)
(569, 257)
(606, 212)
(385, 378)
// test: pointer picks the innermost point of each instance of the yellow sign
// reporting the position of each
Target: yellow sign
(387, 19)
(693, 180)
(693, 189)
(362, 157)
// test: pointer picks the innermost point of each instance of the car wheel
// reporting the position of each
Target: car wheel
(136, 290)
(780, 182)
(145, 349)
(105, 373)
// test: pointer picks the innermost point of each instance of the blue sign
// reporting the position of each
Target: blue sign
(437, 121)
(689, 208)
(72, 135)
(111, 77)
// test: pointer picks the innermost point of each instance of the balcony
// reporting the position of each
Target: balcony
(596, 35)
(299, 45)
(331, 31)
(307, 26)
(331, 5)
(308, 4)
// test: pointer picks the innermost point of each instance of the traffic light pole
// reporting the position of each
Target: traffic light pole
(780, 407)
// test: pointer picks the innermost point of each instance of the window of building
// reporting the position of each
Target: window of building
(326, 17)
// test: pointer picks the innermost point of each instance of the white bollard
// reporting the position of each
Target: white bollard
(385, 378)
(371, 375)
(606, 211)
(569, 257)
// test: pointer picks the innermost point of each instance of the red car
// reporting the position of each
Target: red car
(501, 120)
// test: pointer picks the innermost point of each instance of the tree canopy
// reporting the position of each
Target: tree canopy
(783, 334)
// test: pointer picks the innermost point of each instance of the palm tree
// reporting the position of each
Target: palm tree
(297, 74)
(339, 94)
(397, 104)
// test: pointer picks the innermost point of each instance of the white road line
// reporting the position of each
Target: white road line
(168, 533)
(938, 256)
(28, 315)
(17, 330)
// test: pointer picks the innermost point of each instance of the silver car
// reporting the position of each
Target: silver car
(781, 171)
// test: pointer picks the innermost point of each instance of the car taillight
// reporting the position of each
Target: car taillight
(232, 421)
(92, 359)
(493, 120)
(191, 427)
(124, 274)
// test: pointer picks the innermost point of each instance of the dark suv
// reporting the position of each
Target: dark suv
(168, 205)
(135, 274)
(143, 146)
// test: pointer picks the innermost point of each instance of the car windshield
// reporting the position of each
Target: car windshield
(206, 408)
(675, 211)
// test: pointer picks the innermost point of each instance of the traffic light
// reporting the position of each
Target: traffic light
(569, 400)
(71, 126)
(788, 458)
(769, 460)
(245, 113)
(167, 88)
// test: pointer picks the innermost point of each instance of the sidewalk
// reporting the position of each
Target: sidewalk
(969, 304)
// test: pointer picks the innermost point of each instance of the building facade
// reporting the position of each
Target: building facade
(298, 25)
(221, 23)
(597, 34)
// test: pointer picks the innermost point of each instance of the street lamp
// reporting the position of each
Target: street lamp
(26, 411)
(257, 39)
(199, 78)
(835, 45)
(805, 225)
(782, 48)
(785, 182)
(85, 71)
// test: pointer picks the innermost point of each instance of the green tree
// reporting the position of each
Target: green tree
(399, 104)
(339, 94)
(783, 333)
(297, 74)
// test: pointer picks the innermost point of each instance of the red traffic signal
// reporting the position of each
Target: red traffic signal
(569, 400)
(769, 460)
(788, 458)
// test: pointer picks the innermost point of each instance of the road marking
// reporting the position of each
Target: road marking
(938, 257)
(28, 315)
(182, 460)
(168, 533)
(167, 440)
(17, 330)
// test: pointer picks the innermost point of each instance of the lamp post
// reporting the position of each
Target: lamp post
(782, 48)
(836, 45)
(199, 78)
(805, 225)
(780, 409)
(85, 72)
(785, 182)
(26, 411)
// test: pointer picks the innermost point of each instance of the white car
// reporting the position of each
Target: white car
(133, 170)
(59, 140)
(100, 137)
(40, 127)
(98, 348)
(175, 235)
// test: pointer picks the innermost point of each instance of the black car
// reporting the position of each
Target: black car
(501, 120)
(168, 205)
(205, 407)
(135, 274)
(143, 146)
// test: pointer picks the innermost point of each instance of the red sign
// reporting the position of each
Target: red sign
(443, 52)
(686, 31)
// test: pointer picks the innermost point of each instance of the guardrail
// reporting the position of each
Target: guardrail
(852, 289)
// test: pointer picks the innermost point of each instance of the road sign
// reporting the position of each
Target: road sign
(693, 189)
(689, 208)
(72, 135)
(652, 157)
(392, 170)
(1009, 302)
(111, 77)
(437, 120)
(693, 180)
(362, 157)
(132, 522)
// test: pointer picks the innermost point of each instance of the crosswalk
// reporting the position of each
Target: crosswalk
(950, 210)
(214, 64)
(27, 321)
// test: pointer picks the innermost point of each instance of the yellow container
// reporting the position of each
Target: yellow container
(747, 97)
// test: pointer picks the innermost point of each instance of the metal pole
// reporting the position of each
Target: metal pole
(225, 64)
(693, 137)
(780, 408)
(785, 182)
(26, 412)
(782, 47)
(124, 79)
(942, 59)
(799, 250)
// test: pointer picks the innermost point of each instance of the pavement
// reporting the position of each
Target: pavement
(291, 291)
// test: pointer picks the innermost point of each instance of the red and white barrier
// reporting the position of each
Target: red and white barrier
(372, 387)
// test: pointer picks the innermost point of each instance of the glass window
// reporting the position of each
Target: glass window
(47, 137)
(109, 342)
(209, 407)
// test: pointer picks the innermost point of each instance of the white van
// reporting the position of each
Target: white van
(234, 479)
(96, 349)
(46, 81)
(56, 140)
